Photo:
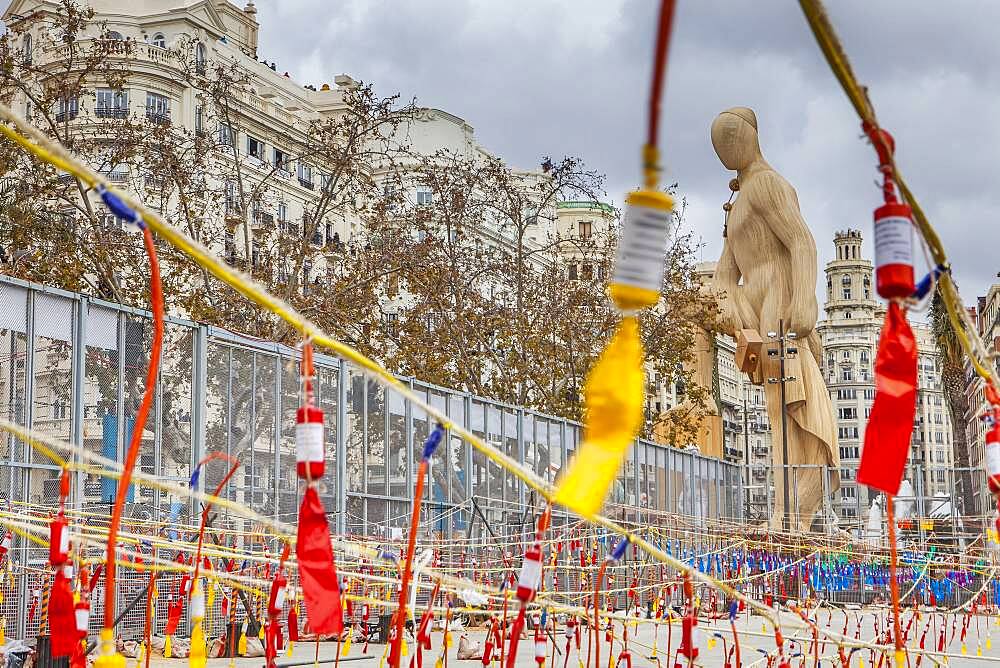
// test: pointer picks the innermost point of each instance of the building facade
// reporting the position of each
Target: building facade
(986, 313)
(849, 334)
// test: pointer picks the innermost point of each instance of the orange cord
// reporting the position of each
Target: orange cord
(156, 300)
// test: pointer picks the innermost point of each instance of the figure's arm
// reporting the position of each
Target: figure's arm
(777, 204)
(726, 285)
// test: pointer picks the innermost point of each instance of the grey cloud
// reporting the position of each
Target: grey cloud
(539, 77)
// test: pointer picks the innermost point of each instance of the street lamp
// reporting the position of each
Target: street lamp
(783, 352)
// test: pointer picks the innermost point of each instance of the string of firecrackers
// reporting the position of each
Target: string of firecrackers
(591, 566)
(966, 331)
(50, 152)
(223, 551)
(178, 490)
(247, 584)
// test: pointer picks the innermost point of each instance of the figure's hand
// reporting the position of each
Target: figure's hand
(729, 316)
(802, 319)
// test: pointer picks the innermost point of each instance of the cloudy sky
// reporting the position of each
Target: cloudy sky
(557, 77)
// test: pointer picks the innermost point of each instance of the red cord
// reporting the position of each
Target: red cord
(659, 68)
(411, 547)
(156, 300)
(208, 507)
(597, 613)
(893, 584)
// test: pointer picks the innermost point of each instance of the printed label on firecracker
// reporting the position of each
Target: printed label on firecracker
(82, 619)
(531, 574)
(642, 247)
(993, 459)
(893, 241)
(309, 442)
(540, 649)
(279, 598)
(64, 541)
(198, 605)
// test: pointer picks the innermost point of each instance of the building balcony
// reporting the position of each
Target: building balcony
(115, 176)
(158, 117)
(308, 185)
(63, 116)
(111, 112)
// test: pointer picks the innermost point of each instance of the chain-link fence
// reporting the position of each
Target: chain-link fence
(73, 368)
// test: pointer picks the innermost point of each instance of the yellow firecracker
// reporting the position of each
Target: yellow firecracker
(108, 657)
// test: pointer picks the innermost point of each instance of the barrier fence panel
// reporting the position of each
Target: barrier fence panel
(73, 368)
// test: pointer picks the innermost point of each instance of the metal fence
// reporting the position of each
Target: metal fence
(73, 368)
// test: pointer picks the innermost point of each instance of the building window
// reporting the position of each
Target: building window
(115, 35)
(200, 58)
(280, 159)
(255, 148)
(849, 413)
(846, 281)
(847, 293)
(157, 107)
(160, 40)
(585, 229)
(424, 197)
(587, 271)
(305, 175)
(846, 354)
(26, 60)
(232, 197)
(846, 375)
(848, 315)
(111, 103)
(199, 120)
(226, 134)
(282, 212)
(67, 109)
(847, 432)
(572, 272)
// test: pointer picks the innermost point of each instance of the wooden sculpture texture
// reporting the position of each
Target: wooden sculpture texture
(767, 273)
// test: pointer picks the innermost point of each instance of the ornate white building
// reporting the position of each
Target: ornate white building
(850, 333)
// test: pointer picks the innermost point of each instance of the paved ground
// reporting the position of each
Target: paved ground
(753, 647)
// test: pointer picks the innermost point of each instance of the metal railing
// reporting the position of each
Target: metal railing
(73, 367)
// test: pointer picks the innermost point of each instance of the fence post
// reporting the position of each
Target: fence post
(279, 374)
(199, 400)
(76, 402)
(341, 460)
